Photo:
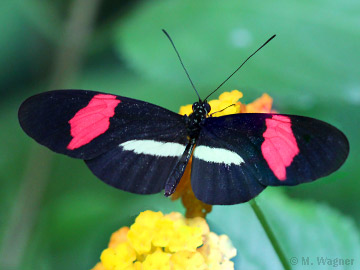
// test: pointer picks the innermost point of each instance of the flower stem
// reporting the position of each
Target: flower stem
(274, 242)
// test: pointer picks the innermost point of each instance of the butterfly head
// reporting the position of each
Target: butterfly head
(201, 109)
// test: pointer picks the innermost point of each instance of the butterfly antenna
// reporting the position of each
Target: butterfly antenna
(223, 109)
(240, 66)
(172, 43)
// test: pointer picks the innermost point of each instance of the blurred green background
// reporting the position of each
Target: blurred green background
(56, 215)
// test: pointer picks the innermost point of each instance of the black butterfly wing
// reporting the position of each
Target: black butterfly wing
(130, 144)
(138, 166)
(253, 151)
(84, 124)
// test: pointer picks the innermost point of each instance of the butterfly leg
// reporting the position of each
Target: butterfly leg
(179, 170)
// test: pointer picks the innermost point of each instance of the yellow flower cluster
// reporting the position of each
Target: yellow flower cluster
(167, 242)
(226, 99)
(194, 207)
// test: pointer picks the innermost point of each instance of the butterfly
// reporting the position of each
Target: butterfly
(143, 148)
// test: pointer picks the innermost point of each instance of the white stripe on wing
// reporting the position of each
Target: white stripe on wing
(154, 148)
(217, 155)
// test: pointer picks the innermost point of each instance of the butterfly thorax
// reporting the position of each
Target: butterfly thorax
(194, 120)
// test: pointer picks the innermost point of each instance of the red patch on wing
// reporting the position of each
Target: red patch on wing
(279, 147)
(92, 121)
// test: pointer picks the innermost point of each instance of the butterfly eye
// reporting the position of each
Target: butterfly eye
(195, 105)
(207, 107)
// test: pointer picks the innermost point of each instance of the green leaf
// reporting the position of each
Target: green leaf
(313, 56)
(303, 229)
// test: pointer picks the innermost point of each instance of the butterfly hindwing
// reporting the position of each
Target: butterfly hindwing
(225, 157)
(139, 166)
(218, 174)
(250, 151)
(85, 124)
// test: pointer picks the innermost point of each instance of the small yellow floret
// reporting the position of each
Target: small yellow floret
(118, 258)
(141, 232)
(177, 217)
(188, 260)
(261, 105)
(118, 237)
(232, 96)
(186, 238)
(158, 260)
(148, 218)
(228, 100)
(137, 266)
(198, 222)
(98, 266)
(163, 232)
(140, 238)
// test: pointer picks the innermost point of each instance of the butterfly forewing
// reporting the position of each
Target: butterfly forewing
(321, 150)
(247, 152)
(85, 124)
